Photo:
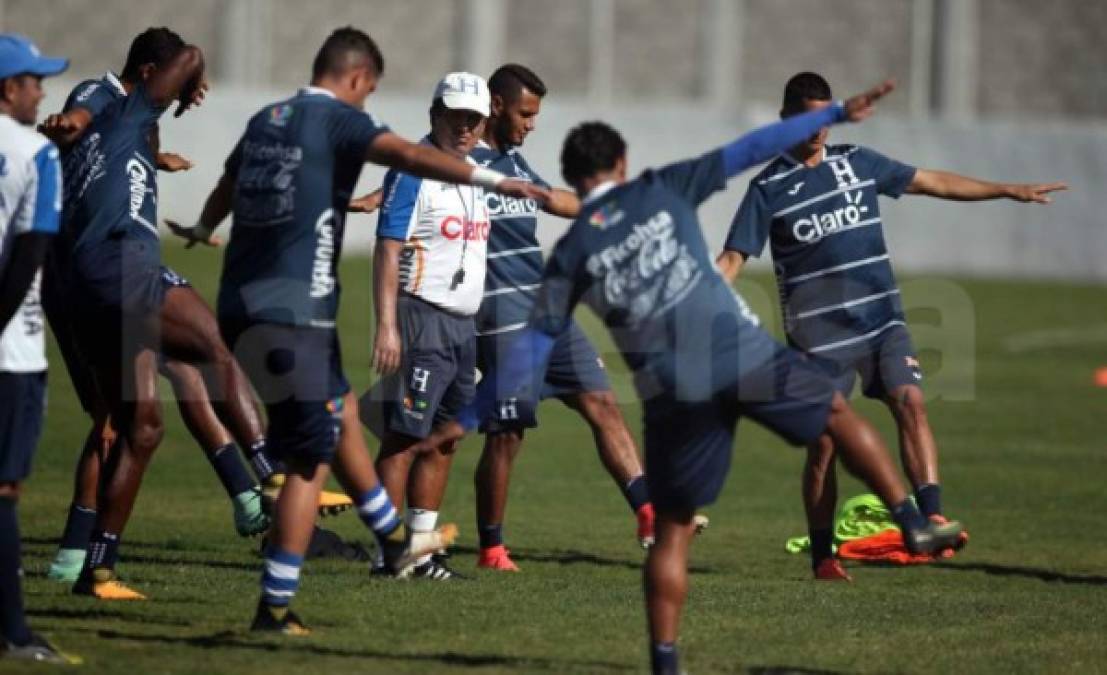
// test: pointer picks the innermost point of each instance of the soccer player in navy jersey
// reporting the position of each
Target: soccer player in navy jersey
(289, 181)
(123, 314)
(818, 206)
(575, 374)
(637, 257)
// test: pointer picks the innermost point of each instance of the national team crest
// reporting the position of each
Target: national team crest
(605, 217)
(280, 114)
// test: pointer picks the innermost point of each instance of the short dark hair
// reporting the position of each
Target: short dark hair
(343, 49)
(804, 87)
(510, 79)
(589, 148)
(158, 46)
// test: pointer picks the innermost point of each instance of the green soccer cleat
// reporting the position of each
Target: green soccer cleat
(249, 515)
(67, 565)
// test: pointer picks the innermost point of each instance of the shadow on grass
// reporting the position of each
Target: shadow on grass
(101, 614)
(789, 670)
(1028, 572)
(573, 557)
(232, 640)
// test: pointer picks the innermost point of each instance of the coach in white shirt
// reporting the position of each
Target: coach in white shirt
(428, 278)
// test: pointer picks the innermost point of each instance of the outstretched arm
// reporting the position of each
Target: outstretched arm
(216, 208)
(387, 348)
(562, 203)
(425, 161)
(768, 141)
(947, 185)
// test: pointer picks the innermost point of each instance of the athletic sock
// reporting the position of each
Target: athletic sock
(231, 471)
(14, 623)
(376, 510)
(103, 551)
(822, 545)
(281, 577)
(258, 455)
(929, 497)
(78, 527)
(908, 516)
(636, 492)
(490, 535)
(422, 520)
(663, 658)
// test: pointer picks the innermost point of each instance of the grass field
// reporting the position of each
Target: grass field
(1023, 466)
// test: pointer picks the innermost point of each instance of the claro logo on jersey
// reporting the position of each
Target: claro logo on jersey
(322, 268)
(817, 225)
(455, 228)
(503, 206)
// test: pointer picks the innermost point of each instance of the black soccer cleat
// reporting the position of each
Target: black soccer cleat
(278, 620)
(933, 538)
(436, 569)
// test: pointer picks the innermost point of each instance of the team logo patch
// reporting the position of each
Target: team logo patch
(336, 405)
(911, 362)
(280, 114)
(604, 217)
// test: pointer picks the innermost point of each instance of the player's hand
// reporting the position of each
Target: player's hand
(522, 189)
(386, 350)
(172, 162)
(191, 235)
(861, 106)
(366, 204)
(59, 127)
(192, 96)
(1035, 192)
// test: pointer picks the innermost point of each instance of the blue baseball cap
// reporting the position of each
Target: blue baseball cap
(19, 56)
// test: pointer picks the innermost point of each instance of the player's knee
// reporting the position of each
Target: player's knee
(820, 455)
(909, 405)
(600, 408)
(147, 433)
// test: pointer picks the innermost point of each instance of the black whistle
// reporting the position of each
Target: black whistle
(459, 278)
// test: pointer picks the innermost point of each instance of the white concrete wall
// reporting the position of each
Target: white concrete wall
(1065, 240)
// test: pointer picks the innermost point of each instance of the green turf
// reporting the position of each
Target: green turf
(1023, 465)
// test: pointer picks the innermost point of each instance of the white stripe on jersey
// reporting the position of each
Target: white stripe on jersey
(845, 305)
(517, 251)
(504, 329)
(854, 340)
(836, 268)
(825, 195)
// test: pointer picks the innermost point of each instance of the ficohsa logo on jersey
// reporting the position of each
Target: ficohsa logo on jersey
(322, 269)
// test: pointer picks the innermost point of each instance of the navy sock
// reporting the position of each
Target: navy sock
(907, 516)
(231, 471)
(78, 527)
(929, 497)
(490, 535)
(14, 624)
(103, 551)
(822, 545)
(264, 467)
(637, 493)
(663, 658)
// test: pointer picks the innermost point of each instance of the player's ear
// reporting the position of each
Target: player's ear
(621, 167)
(145, 71)
(498, 105)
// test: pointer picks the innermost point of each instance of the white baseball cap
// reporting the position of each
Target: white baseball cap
(465, 91)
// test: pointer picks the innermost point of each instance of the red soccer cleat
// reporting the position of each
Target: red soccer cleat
(645, 517)
(496, 558)
(830, 569)
(962, 538)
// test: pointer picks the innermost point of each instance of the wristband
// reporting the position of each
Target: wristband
(486, 178)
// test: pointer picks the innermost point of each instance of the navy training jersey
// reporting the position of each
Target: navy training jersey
(95, 95)
(295, 168)
(514, 256)
(637, 257)
(110, 174)
(823, 223)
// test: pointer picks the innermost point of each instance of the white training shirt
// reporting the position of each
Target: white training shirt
(30, 201)
(444, 227)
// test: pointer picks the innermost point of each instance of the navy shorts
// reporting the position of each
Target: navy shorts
(61, 323)
(884, 363)
(689, 443)
(297, 373)
(116, 291)
(22, 402)
(574, 368)
(437, 375)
